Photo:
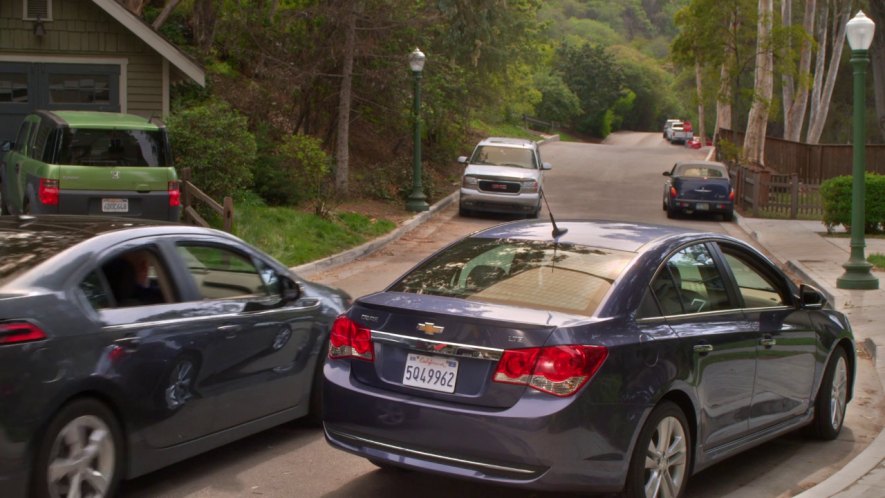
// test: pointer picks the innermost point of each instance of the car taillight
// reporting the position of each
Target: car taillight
(731, 195)
(529, 186)
(673, 192)
(558, 370)
(19, 332)
(174, 194)
(48, 192)
(469, 182)
(349, 340)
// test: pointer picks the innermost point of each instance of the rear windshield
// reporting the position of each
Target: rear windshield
(90, 147)
(532, 274)
(504, 156)
(22, 250)
(700, 172)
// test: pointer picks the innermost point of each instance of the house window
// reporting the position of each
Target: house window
(14, 87)
(79, 89)
(38, 9)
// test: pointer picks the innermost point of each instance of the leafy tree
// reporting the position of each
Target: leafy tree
(558, 102)
(593, 75)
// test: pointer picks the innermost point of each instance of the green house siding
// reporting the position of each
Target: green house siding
(80, 29)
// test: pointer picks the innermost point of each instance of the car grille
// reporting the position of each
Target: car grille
(499, 186)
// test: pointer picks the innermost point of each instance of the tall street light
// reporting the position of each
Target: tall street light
(857, 274)
(417, 200)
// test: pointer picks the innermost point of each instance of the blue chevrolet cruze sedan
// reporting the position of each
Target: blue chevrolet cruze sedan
(590, 356)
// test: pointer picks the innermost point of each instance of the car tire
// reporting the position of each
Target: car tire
(315, 408)
(464, 212)
(832, 399)
(671, 212)
(662, 456)
(86, 433)
(729, 216)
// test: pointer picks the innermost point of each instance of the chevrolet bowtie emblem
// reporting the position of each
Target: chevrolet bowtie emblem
(429, 328)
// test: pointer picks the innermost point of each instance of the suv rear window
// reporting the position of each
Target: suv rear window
(94, 147)
(532, 274)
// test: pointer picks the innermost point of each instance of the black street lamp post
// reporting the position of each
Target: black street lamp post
(417, 200)
(859, 32)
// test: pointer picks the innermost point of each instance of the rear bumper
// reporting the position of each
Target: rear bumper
(702, 206)
(477, 200)
(541, 442)
(150, 205)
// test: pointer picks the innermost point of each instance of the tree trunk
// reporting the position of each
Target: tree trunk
(788, 83)
(204, 18)
(702, 132)
(823, 89)
(877, 53)
(794, 114)
(164, 14)
(723, 100)
(342, 152)
(763, 87)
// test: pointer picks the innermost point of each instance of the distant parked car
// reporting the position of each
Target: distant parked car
(698, 187)
(89, 162)
(678, 133)
(503, 175)
(668, 124)
(613, 356)
(126, 346)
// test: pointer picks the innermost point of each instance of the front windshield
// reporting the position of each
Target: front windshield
(533, 274)
(493, 155)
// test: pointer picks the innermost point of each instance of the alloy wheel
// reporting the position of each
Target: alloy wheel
(665, 460)
(82, 459)
(178, 391)
(839, 393)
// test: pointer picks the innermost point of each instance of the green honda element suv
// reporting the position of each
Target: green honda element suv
(86, 162)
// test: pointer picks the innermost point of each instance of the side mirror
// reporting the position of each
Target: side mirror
(6, 147)
(546, 166)
(462, 159)
(289, 289)
(811, 298)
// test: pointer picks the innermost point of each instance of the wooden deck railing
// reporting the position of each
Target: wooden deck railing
(190, 193)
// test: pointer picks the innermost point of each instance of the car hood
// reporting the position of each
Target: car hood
(502, 172)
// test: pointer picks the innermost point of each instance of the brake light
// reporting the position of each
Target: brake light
(20, 332)
(673, 192)
(557, 370)
(731, 195)
(174, 194)
(349, 340)
(48, 192)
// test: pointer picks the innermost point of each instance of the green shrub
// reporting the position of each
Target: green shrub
(213, 140)
(309, 170)
(836, 197)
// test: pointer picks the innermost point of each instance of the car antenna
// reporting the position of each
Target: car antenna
(557, 232)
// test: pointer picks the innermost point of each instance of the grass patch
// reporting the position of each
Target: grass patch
(878, 260)
(295, 237)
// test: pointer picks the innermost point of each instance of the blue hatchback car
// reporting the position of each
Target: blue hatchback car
(614, 356)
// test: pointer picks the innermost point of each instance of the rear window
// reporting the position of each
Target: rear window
(700, 172)
(91, 147)
(22, 250)
(531, 274)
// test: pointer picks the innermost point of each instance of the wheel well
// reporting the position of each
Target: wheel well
(845, 344)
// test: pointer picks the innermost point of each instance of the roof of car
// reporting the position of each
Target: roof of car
(509, 142)
(103, 120)
(617, 235)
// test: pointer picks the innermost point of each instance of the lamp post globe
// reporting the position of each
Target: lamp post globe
(858, 275)
(417, 200)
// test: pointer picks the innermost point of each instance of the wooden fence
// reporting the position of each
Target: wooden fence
(190, 193)
(761, 193)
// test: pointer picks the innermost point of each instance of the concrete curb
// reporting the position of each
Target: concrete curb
(376, 244)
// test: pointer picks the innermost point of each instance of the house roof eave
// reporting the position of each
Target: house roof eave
(153, 39)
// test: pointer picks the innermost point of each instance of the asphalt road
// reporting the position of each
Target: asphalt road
(620, 180)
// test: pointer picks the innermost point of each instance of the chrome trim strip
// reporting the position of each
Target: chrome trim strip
(160, 323)
(439, 347)
(425, 454)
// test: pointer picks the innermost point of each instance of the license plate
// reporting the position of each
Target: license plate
(431, 372)
(702, 206)
(115, 205)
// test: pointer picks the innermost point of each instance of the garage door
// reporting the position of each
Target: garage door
(25, 87)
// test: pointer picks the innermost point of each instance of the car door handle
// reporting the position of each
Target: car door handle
(230, 331)
(703, 348)
(768, 342)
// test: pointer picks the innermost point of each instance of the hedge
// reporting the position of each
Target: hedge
(836, 196)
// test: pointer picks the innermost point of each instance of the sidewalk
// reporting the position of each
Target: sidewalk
(818, 261)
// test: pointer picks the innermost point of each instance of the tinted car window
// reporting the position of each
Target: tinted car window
(534, 274)
(97, 294)
(138, 278)
(94, 147)
(756, 289)
(690, 282)
(21, 140)
(221, 273)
